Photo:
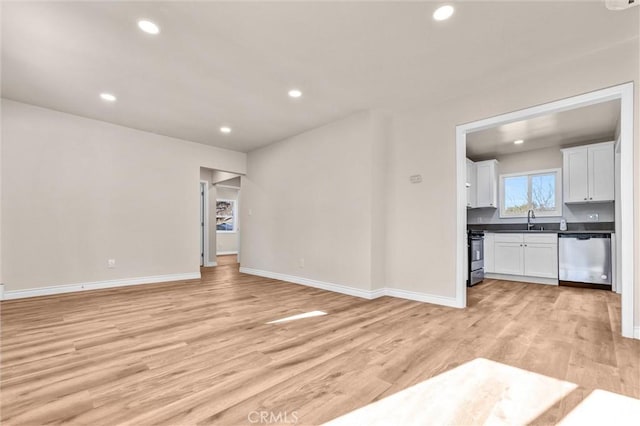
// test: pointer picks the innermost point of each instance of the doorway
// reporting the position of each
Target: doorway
(624, 93)
(204, 223)
(219, 225)
(227, 221)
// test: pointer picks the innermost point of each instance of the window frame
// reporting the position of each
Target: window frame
(234, 208)
(529, 174)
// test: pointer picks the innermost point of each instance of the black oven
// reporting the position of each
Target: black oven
(475, 244)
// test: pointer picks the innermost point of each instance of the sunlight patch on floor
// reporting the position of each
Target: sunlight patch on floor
(477, 392)
(604, 408)
(299, 316)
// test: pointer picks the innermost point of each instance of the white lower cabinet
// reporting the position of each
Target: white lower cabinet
(508, 258)
(541, 260)
(489, 262)
(524, 255)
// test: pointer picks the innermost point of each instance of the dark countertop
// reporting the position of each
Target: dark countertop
(546, 231)
(572, 228)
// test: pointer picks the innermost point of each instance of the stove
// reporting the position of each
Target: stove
(475, 244)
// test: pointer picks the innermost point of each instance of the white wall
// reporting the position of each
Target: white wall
(235, 182)
(381, 132)
(291, 185)
(1, 243)
(539, 159)
(218, 176)
(421, 246)
(76, 192)
(313, 197)
(227, 242)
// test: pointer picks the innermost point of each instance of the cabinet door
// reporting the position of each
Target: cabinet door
(541, 260)
(471, 184)
(601, 173)
(489, 265)
(486, 184)
(576, 176)
(508, 258)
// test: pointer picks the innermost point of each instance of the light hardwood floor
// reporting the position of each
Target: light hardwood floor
(201, 351)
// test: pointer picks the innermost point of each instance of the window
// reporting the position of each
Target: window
(225, 216)
(539, 191)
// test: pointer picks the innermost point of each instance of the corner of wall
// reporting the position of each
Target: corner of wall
(380, 133)
(1, 204)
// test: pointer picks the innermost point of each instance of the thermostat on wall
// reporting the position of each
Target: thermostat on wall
(415, 178)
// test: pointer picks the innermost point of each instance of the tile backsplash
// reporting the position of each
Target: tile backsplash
(571, 212)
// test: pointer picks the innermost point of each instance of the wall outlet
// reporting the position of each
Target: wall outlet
(301, 262)
(593, 217)
(111, 263)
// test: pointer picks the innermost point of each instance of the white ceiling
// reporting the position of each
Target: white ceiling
(594, 123)
(232, 63)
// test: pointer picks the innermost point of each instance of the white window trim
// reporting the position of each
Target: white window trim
(556, 213)
(235, 216)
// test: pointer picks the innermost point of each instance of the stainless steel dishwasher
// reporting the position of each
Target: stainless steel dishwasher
(584, 260)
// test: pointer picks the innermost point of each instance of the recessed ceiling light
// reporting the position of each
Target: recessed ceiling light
(107, 97)
(518, 142)
(295, 93)
(225, 129)
(443, 12)
(148, 26)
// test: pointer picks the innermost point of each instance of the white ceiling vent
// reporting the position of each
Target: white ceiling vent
(620, 4)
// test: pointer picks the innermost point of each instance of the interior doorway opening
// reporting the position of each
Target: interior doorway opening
(624, 220)
(204, 222)
(219, 217)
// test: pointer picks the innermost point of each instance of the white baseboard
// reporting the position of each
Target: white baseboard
(209, 264)
(636, 332)
(225, 253)
(338, 288)
(535, 280)
(351, 291)
(422, 297)
(96, 285)
(378, 293)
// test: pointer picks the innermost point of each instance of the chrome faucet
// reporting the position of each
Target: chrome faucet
(530, 215)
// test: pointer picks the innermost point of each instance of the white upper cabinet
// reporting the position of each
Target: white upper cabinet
(588, 173)
(576, 176)
(487, 183)
(471, 184)
(601, 172)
